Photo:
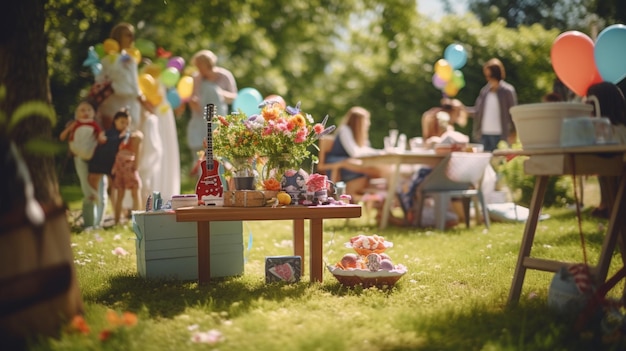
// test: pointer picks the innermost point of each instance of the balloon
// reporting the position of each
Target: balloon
(100, 50)
(170, 77)
(609, 53)
(111, 46)
(443, 69)
(458, 79)
(92, 61)
(185, 87)
(451, 89)
(135, 54)
(573, 62)
(438, 82)
(177, 62)
(277, 98)
(161, 62)
(173, 98)
(145, 47)
(455, 55)
(152, 69)
(248, 100)
(148, 85)
(155, 99)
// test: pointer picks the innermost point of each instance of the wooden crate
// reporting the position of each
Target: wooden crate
(169, 249)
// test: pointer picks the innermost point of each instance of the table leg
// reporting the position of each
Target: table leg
(204, 252)
(391, 193)
(615, 230)
(317, 241)
(536, 203)
(298, 240)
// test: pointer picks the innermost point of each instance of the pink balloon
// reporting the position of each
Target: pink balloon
(438, 82)
(176, 62)
(573, 61)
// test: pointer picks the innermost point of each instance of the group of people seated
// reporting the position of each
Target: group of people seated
(351, 141)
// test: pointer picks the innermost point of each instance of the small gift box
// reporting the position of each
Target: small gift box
(283, 268)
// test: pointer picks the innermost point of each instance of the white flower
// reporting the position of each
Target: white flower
(119, 251)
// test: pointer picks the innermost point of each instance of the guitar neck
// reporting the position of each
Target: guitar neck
(209, 112)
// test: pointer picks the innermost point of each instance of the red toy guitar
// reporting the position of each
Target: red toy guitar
(209, 187)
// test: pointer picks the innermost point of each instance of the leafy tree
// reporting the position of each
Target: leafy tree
(561, 14)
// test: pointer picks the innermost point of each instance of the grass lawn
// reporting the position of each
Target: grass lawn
(453, 296)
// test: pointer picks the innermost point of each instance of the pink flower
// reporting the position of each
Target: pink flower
(318, 128)
(119, 251)
(211, 337)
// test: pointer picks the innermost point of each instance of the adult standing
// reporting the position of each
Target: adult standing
(211, 85)
(492, 119)
(121, 70)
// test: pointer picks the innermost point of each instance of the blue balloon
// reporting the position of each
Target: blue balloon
(173, 98)
(248, 100)
(609, 52)
(455, 55)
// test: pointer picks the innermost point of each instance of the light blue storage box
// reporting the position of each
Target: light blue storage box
(169, 249)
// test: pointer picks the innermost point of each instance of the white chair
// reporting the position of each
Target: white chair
(459, 175)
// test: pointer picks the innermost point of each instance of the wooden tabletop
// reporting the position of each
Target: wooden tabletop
(612, 148)
(220, 213)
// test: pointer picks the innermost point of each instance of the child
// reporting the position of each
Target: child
(124, 171)
(84, 134)
(102, 161)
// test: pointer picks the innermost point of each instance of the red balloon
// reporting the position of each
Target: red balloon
(573, 61)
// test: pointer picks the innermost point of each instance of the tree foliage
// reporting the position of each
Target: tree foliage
(329, 54)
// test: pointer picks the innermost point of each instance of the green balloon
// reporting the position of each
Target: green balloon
(458, 79)
(145, 47)
(99, 50)
(170, 77)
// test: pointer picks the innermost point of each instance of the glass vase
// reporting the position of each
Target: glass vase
(243, 173)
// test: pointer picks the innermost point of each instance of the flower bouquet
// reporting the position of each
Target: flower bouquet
(277, 137)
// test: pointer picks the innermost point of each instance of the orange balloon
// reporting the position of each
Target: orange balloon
(451, 89)
(279, 99)
(155, 99)
(111, 46)
(573, 61)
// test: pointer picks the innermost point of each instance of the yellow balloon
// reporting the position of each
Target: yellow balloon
(443, 70)
(152, 69)
(148, 85)
(154, 99)
(451, 89)
(135, 54)
(111, 46)
(185, 87)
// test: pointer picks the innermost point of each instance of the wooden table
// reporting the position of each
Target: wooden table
(396, 160)
(607, 160)
(315, 214)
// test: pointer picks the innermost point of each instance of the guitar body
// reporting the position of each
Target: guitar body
(209, 183)
(209, 186)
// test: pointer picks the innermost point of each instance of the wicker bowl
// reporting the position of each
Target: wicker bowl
(367, 279)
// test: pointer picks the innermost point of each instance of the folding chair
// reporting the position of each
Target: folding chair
(459, 175)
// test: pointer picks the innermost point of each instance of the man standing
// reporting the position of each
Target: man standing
(492, 119)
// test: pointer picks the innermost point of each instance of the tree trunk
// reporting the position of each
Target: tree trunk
(24, 74)
(39, 290)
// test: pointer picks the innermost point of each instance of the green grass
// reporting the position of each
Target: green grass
(452, 298)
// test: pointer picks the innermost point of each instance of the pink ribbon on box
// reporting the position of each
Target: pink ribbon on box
(316, 182)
